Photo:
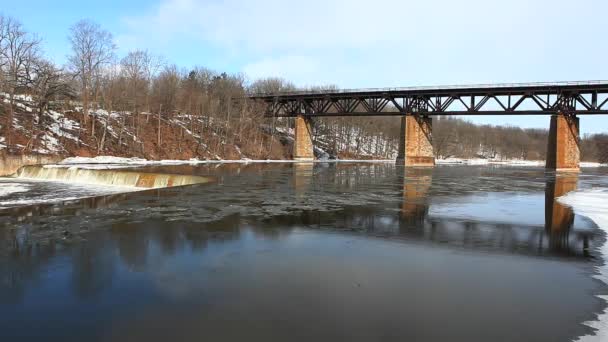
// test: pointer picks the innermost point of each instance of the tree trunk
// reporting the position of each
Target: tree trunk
(85, 104)
(159, 111)
(9, 120)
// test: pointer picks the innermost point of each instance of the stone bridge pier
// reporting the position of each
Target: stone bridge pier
(303, 149)
(415, 141)
(563, 150)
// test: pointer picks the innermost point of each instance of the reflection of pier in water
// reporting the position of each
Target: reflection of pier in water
(137, 244)
(402, 209)
(559, 218)
(412, 220)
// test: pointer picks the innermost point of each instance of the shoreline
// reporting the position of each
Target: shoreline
(120, 161)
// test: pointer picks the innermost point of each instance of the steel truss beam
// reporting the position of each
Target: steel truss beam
(569, 99)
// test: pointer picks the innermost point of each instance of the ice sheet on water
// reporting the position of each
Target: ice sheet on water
(514, 162)
(594, 204)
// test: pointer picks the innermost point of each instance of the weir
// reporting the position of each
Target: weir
(9, 164)
(109, 177)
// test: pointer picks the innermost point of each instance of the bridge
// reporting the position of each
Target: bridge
(563, 101)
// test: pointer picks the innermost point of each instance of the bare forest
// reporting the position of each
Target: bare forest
(140, 104)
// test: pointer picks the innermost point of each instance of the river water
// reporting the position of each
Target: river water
(301, 252)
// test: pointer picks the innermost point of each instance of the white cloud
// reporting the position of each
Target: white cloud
(388, 41)
(277, 25)
(288, 67)
(381, 43)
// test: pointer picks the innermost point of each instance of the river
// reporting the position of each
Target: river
(301, 252)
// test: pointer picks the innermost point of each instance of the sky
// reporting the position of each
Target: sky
(353, 43)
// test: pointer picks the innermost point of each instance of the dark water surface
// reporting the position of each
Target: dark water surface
(296, 252)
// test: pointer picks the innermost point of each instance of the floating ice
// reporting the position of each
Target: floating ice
(594, 204)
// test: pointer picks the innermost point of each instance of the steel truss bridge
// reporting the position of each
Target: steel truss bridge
(568, 98)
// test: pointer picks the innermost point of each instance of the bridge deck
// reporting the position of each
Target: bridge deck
(586, 97)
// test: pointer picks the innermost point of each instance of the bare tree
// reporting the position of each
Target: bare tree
(92, 48)
(133, 69)
(152, 64)
(20, 50)
(2, 49)
(166, 92)
(112, 92)
(48, 82)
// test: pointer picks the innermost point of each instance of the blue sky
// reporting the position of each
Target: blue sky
(353, 43)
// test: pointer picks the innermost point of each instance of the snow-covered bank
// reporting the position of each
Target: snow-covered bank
(480, 161)
(594, 205)
(515, 162)
(110, 162)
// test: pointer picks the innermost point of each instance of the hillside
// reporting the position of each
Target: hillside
(61, 130)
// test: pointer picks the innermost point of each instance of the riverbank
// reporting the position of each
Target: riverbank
(109, 161)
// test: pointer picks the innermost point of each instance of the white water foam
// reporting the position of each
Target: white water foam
(594, 205)
(16, 192)
(7, 189)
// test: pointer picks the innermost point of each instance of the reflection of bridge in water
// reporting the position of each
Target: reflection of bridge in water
(404, 214)
(412, 219)
(402, 204)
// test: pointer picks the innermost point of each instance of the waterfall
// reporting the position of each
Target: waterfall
(109, 177)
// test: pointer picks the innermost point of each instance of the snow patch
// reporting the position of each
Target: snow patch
(594, 205)
(591, 164)
(514, 162)
(110, 162)
(105, 160)
(480, 161)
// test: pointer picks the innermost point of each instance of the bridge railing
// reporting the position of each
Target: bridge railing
(439, 87)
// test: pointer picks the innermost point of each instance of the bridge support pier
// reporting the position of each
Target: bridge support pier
(303, 149)
(415, 142)
(563, 151)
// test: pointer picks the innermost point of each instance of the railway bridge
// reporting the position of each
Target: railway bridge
(564, 102)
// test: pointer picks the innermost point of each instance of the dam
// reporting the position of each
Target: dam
(112, 177)
(55, 183)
